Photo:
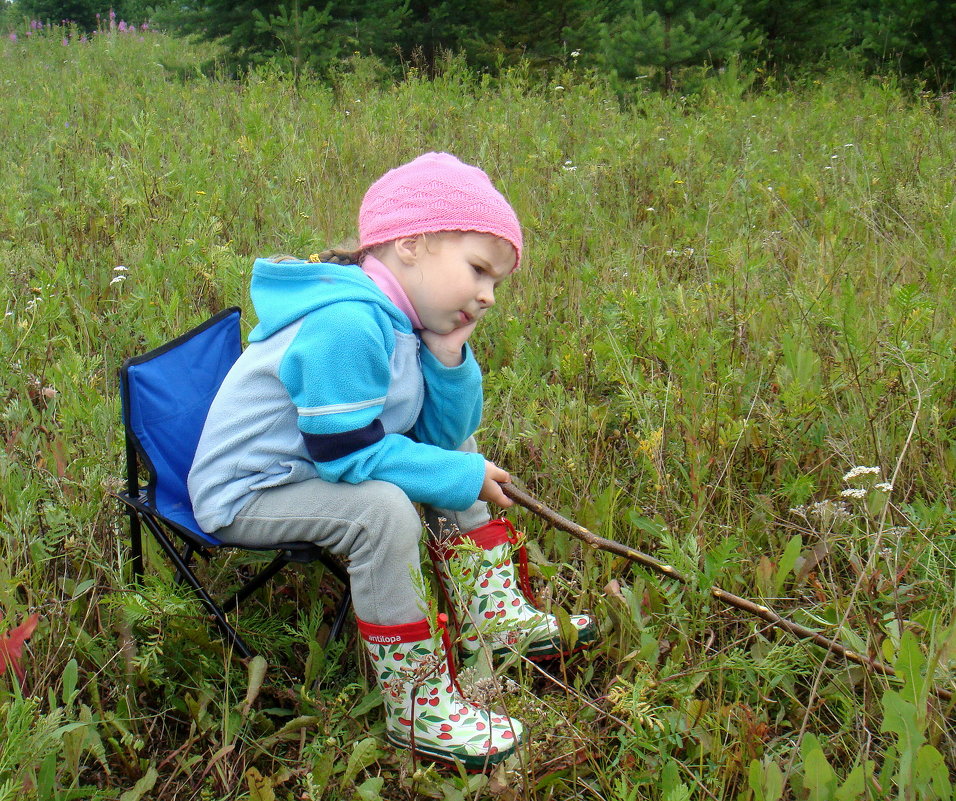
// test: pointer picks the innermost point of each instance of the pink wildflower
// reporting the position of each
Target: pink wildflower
(13, 36)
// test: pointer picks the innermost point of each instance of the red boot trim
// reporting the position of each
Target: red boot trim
(404, 632)
(490, 535)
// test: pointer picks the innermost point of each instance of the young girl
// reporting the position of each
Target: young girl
(356, 399)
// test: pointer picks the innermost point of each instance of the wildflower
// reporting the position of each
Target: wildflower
(11, 646)
(829, 512)
(559, 88)
(569, 166)
(144, 26)
(854, 492)
(858, 471)
(66, 41)
(649, 208)
(122, 26)
(121, 269)
(118, 279)
(575, 53)
(884, 486)
(13, 36)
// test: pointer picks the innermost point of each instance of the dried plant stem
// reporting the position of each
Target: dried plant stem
(535, 506)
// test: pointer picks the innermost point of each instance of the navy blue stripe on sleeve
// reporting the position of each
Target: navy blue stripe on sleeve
(329, 447)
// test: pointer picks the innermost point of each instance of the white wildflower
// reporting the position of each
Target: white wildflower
(858, 471)
(649, 208)
(118, 279)
(884, 486)
(559, 88)
(854, 492)
(575, 53)
(829, 512)
(121, 269)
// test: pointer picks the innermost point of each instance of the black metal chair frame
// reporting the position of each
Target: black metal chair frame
(138, 500)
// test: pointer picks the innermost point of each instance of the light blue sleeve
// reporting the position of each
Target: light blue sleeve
(337, 373)
(453, 400)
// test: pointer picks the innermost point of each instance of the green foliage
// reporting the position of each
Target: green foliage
(730, 300)
(675, 33)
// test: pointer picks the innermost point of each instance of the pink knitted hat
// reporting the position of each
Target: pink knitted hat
(435, 192)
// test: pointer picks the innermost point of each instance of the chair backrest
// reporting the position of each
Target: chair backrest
(166, 396)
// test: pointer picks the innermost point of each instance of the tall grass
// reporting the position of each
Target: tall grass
(729, 300)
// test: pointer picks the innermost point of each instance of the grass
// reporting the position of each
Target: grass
(729, 300)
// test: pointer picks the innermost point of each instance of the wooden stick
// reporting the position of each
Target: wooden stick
(535, 506)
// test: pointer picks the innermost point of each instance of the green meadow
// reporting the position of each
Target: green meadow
(729, 300)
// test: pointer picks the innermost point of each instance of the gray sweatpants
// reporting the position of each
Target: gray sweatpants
(373, 525)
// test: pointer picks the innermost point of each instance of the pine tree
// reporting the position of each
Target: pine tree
(675, 33)
(917, 37)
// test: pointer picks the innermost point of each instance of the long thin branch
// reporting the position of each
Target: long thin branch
(535, 506)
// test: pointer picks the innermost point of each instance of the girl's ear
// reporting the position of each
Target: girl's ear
(407, 249)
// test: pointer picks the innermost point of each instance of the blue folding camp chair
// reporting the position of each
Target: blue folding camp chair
(166, 395)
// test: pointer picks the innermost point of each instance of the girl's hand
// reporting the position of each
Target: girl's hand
(491, 489)
(447, 347)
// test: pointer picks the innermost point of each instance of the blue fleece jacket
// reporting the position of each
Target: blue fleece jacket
(334, 383)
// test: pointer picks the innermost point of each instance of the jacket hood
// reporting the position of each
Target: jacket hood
(286, 291)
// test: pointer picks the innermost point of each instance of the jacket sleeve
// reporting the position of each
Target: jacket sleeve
(336, 371)
(453, 400)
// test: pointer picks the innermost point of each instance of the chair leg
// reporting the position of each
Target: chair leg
(186, 557)
(136, 544)
(231, 635)
(340, 614)
(259, 580)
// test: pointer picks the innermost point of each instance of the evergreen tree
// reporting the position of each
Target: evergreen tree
(675, 33)
(298, 34)
(798, 32)
(80, 12)
(916, 37)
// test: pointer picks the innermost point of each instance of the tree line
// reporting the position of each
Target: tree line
(628, 39)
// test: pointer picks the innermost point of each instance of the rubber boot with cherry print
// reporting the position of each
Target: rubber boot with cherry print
(490, 599)
(425, 709)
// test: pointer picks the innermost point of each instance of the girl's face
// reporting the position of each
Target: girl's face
(451, 278)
